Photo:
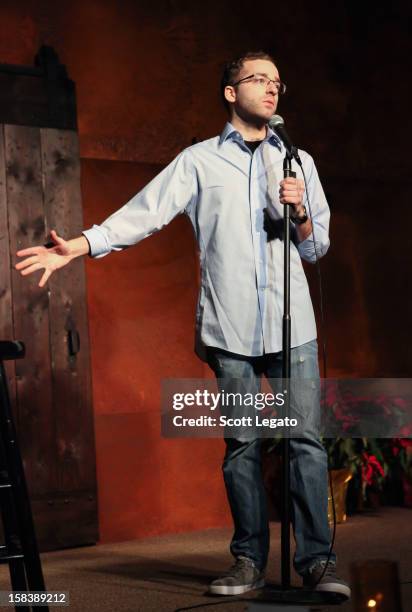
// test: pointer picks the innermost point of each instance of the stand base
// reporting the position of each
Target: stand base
(295, 595)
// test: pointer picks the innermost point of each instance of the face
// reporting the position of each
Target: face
(252, 102)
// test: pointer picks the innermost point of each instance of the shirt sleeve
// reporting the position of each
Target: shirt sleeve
(317, 243)
(167, 195)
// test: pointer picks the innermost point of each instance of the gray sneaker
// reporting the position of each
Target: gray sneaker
(329, 583)
(243, 576)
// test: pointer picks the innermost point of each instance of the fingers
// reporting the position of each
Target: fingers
(291, 191)
(292, 181)
(45, 278)
(290, 197)
(32, 268)
(32, 264)
(30, 251)
(27, 262)
(292, 184)
(56, 238)
(39, 249)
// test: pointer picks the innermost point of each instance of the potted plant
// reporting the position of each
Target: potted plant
(361, 466)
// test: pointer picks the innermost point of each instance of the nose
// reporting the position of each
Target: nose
(272, 86)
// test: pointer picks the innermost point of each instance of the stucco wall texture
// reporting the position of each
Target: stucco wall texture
(147, 83)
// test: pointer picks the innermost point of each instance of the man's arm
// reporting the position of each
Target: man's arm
(159, 202)
(167, 195)
(313, 236)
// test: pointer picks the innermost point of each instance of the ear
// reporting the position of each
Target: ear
(230, 93)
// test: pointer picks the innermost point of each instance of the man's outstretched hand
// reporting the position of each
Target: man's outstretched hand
(51, 258)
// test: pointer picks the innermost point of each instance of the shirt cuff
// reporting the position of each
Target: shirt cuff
(98, 241)
(307, 249)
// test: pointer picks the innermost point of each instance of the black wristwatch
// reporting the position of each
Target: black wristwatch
(300, 220)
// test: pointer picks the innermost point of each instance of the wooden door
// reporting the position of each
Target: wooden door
(51, 387)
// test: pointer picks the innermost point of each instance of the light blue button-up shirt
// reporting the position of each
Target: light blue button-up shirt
(224, 189)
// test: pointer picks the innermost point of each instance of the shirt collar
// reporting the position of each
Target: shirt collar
(230, 132)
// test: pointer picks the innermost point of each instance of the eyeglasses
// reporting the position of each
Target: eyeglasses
(262, 81)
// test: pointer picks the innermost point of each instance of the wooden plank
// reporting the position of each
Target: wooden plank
(65, 521)
(6, 262)
(68, 315)
(36, 427)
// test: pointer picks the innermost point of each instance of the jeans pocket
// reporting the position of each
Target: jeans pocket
(304, 361)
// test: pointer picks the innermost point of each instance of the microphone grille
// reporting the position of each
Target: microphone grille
(275, 121)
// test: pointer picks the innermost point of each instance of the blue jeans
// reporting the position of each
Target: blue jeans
(242, 468)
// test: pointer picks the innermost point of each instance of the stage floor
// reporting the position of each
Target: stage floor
(165, 573)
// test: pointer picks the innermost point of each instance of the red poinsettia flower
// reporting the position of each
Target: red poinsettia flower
(376, 465)
(370, 468)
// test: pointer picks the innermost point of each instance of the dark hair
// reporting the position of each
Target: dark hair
(233, 67)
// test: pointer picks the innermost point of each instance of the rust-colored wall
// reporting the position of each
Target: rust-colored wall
(147, 72)
(141, 309)
(146, 76)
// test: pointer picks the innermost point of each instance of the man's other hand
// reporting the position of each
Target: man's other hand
(50, 258)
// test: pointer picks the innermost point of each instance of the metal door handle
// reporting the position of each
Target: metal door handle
(73, 341)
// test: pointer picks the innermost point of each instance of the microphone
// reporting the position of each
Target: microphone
(278, 125)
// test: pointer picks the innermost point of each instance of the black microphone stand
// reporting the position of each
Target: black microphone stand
(286, 593)
(286, 364)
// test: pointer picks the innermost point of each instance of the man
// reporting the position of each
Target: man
(231, 188)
